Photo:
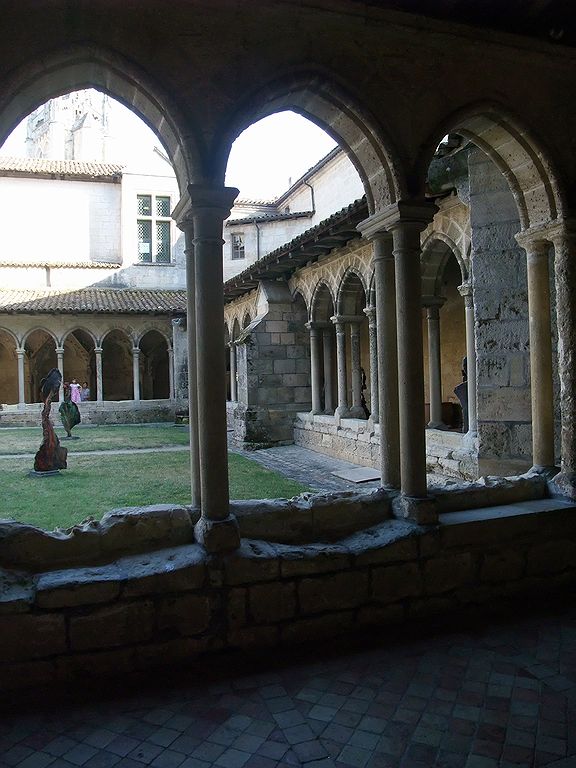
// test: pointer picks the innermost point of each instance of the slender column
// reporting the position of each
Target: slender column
(465, 290)
(99, 392)
(356, 411)
(187, 226)
(21, 352)
(433, 305)
(315, 366)
(217, 530)
(60, 366)
(370, 313)
(406, 224)
(136, 371)
(541, 382)
(565, 273)
(171, 372)
(327, 336)
(233, 388)
(342, 408)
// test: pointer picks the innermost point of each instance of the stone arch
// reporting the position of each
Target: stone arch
(352, 293)
(323, 305)
(154, 366)
(40, 345)
(436, 251)
(526, 166)
(298, 296)
(140, 335)
(39, 328)
(235, 329)
(117, 375)
(246, 320)
(8, 368)
(79, 357)
(90, 66)
(119, 329)
(317, 97)
(82, 328)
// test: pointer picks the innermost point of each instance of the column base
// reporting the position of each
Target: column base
(357, 412)
(546, 471)
(420, 510)
(435, 425)
(563, 484)
(218, 535)
(342, 413)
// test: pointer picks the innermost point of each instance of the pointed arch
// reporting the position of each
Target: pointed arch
(90, 66)
(317, 97)
(323, 304)
(527, 167)
(436, 250)
(352, 293)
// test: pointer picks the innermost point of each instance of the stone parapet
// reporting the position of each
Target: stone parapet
(100, 413)
(176, 604)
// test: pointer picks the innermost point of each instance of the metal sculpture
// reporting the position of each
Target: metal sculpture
(51, 456)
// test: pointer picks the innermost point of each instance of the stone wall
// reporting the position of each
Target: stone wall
(106, 412)
(501, 322)
(131, 610)
(273, 370)
(451, 454)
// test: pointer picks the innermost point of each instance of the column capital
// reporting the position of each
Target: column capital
(179, 322)
(98, 350)
(20, 350)
(466, 291)
(370, 313)
(336, 319)
(416, 212)
(433, 302)
(59, 350)
(135, 350)
(214, 198)
(313, 325)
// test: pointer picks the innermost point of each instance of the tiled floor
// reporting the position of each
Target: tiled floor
(478, 698)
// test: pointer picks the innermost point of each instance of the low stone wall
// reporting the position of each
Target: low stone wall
(63, 618)
(92, 412)
(451, 454)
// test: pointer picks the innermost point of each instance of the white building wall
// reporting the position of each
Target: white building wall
(48, 220)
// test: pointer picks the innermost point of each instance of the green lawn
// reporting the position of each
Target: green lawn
(92, 485)
(27, 440)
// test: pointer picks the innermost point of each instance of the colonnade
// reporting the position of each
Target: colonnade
(21, 353)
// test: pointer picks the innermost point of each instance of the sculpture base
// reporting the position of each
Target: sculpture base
(48, 473)
(70, 437)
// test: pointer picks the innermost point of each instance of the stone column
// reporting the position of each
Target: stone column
(541, 381)
(356, 412)
(433, 305)
(315, 367)
(21, 352)
(217, 530)
(327, 361)
(99, 392)
(406, 221)
(564, 240)
(465, 290)
(233, 388)
(186, 224)
(342, 407)
(370, 313)
(136, 371)
(60, 366)
(171, 371)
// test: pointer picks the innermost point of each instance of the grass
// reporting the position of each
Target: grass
(92, 485)
(27, 440)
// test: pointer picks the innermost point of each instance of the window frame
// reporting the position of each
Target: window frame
(154, 220)
(237, 248)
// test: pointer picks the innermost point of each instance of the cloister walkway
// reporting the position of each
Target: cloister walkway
(496, 694)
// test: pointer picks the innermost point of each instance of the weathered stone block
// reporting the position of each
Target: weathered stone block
(337, 591)
(178, 569)
(16, 592)
(95, 665)
(502, 566)
(78, 586)
(254, 561)
(171, 651)
(431, 606)
(137, 529)
(443, 574)
(551, 557)
(272, 602)
(187, 615)
(381, 615)
(32, 636)
(236, 609)
(120, 624)
(396, 582)
(329, 625)
(254, 637)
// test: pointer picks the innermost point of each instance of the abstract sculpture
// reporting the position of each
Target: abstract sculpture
(51, 456)
(69, 413)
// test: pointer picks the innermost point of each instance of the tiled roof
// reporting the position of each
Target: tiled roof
(90, 300)
(60, 264)
(262, 217)
(331, 233)
(15, 166)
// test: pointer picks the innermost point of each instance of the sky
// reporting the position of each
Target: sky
(264, 160)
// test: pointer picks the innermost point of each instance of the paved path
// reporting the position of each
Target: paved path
(495, 696)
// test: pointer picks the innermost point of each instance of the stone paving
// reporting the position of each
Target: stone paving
(497, 694)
